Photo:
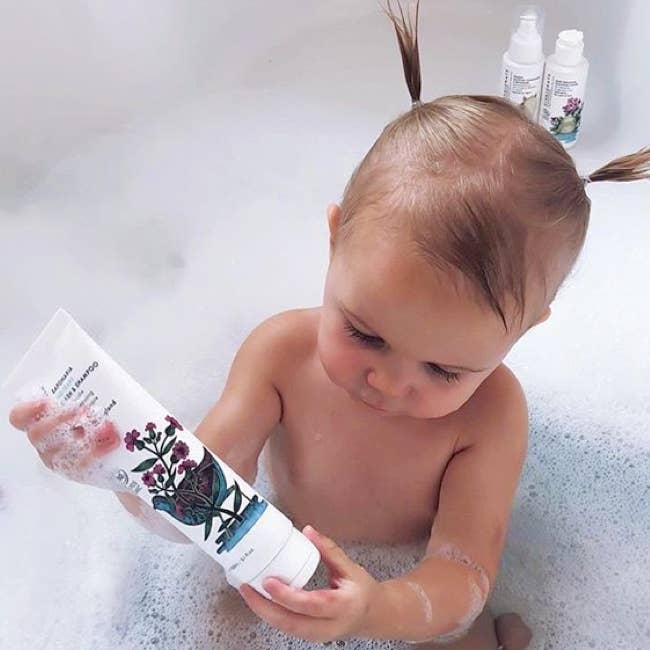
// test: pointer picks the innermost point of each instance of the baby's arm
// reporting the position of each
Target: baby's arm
(441, 598)
(237, 426)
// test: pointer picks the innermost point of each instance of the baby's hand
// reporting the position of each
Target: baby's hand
(325, 614)
(67, 441)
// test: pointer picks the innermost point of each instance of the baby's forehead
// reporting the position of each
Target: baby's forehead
(387, 245)
(375, 248)
(386, 274)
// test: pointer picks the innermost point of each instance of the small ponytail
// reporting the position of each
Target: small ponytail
(633, 167)
(407, 37)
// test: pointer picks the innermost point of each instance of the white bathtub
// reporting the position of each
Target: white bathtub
(164, 172)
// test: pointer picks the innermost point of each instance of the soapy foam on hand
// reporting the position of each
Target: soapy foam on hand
(71, 446)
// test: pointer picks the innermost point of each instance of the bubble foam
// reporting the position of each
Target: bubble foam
(70, 447)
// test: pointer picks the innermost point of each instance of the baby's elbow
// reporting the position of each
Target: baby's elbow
(469, 607)
(458, 600)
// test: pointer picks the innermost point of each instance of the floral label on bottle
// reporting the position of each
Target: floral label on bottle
(194, 493)
(562, 109)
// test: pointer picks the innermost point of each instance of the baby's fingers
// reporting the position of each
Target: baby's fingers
(27, 413)
(322, 603)
(42, 429)
(104, 438)
(70, 442)
(76, 447)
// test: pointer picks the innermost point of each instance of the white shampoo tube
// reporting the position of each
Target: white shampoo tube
(161, 462)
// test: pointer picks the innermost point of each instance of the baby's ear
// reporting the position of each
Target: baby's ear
(540, 319)
(333, 219)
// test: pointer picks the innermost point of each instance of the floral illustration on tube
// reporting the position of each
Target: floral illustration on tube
(192, 493)
(566, 126)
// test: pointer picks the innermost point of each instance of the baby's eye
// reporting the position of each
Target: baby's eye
(366, 339)
(377, 343)
(433, 369)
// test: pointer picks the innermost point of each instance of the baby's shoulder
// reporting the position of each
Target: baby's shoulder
(288, 337)
(497, 408)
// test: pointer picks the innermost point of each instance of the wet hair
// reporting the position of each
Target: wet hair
(482, 190)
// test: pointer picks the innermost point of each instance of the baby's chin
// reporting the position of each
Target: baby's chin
(416, 414)
(420, 413)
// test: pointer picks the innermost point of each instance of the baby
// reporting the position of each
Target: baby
(387, 414)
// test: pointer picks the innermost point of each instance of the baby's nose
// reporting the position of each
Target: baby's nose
(395, 387)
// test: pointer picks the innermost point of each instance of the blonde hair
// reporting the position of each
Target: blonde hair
(482, 189)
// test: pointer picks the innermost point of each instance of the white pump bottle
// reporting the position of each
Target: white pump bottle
(523, 63)
(563, 91)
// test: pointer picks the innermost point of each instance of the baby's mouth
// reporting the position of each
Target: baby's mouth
(358, 398)
(372, 406)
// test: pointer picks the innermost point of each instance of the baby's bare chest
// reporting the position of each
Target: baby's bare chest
(336, 464)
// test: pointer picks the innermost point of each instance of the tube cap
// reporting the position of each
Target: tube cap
(294, 564)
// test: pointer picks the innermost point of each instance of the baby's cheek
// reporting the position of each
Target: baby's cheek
(438, 402)
(340, 363)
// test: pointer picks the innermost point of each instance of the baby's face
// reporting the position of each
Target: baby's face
(395, 334)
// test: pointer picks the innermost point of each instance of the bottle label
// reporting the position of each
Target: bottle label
(562, 104)
(157, 459)
(522, 90)
(193, 492)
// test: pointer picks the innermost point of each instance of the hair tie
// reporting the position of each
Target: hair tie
(416, 103)
(585, 179)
